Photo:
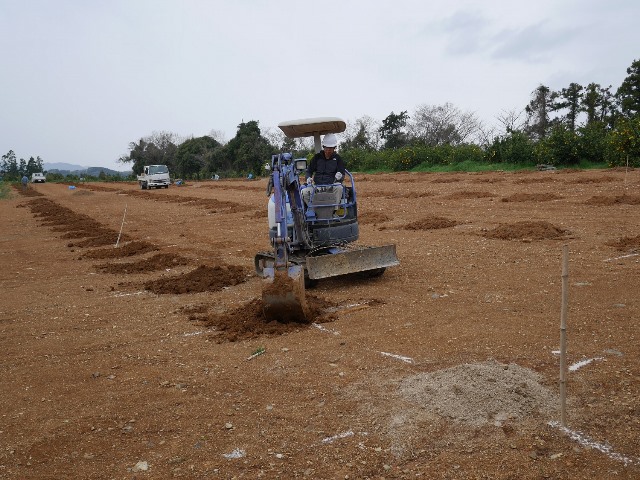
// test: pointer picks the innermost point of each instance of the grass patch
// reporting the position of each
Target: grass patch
(4, 190)
(471, 166)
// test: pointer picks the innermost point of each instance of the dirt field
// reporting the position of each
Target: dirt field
(152, 360)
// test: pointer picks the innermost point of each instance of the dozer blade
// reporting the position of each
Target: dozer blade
(283, 295)
(353, 260)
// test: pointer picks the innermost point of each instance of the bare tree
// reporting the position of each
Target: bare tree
(512, 120)
(163, 139)
(443, 125)
(218, 136)
(363, 132)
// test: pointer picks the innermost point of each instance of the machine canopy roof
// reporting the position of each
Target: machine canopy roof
(312, 127)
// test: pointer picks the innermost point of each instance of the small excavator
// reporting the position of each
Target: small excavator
(315, 240)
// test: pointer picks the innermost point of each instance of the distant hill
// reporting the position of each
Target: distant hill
(62, 166)
(68, 168)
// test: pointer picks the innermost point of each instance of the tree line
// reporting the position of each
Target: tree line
(13, 169)
(578, 124)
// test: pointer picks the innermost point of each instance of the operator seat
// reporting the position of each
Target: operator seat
(322, 202)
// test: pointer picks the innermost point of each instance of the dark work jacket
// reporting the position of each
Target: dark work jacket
(325, 170)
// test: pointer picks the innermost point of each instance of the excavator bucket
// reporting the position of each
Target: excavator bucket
(283, 295)
(352, 260)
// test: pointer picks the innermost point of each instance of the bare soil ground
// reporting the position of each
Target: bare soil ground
(134, 343)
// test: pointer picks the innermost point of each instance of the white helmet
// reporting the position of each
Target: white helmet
(330, 140)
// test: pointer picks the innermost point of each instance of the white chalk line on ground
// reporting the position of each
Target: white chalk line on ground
(399, 357)
(620, 258)
(582, 363)
(128, 294)
(346, 434)
(585, 441)
(326, 330)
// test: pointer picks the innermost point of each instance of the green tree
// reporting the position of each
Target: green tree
(560, 147)
(393, 130)
(628, 93)
(247, 152)
(192, 154)
(592, 142)
(624, 147)
(599, 104)
(22, 167)
(514, 147)
(157, 149)
(538, 112)
(9, 166)
(570, 99)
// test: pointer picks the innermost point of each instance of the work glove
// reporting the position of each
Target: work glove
(338, 176)
(309, 181)
(267, 167)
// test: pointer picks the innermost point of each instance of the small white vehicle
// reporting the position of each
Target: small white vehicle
(38, 177)
(154, 176)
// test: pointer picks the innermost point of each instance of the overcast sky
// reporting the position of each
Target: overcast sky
(81, 79)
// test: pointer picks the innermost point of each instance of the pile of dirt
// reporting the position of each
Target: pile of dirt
(29, 192)
(531, 197)
(214, 205)
(430, 223)
(248, 321)
(587, 180)
(467, 194)
(480, 394)
(446, 180)
(526, 230)
(373, 218)
(205, 278)
(160, 261)
(73, 225)
(626, 243)
(524, 181)
(619, 199)
(488, 180)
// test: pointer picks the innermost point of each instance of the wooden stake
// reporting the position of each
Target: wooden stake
(563, 335)
(121, 225)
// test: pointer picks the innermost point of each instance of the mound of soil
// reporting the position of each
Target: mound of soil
(526, 230)
(587, 180)
(248, 321)
(203, 279)
(130, 249)
(75, 225)
(480, 394)
(417, 195)
(626, 243)
(446, 180)
(29, 192)
(531, 197)
(373, 218)
(430, 223)
(620, 199)
(160, 261)
(465, 194)
(524, 181)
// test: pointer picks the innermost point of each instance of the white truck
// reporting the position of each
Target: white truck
(38, 177)
(154, 176)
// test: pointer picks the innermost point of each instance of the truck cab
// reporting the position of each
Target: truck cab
(38, 177)
(154, 176)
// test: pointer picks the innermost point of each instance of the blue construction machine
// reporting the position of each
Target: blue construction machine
(315, 240)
